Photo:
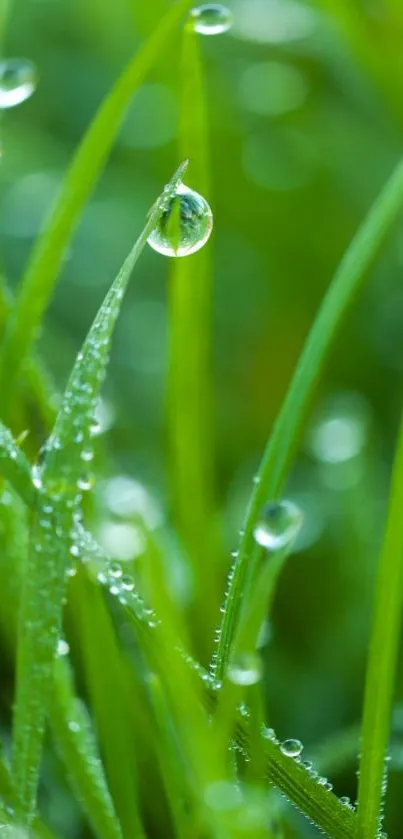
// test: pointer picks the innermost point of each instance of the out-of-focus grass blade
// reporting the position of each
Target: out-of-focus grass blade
(108, 685)
(171, 764)
(41, 274)
(14, 466)
(66, 457)
(189, 401)
(82, 763)
(342, 292)
(382, 662)
(76, 743)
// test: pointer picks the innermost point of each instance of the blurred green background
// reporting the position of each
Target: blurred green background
(305, 115)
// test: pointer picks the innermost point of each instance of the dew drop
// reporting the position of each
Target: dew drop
(346, 802)
(18, 80)
(245, 669)
(127, 583)
(307, 764)
(278, 525)
(62, 648)
(115, 570)
(87, 455)
(211, 19)
(269, 734)
(184, 226)
(86, 482)
(291, 748)
(74, 726)
(36, 477)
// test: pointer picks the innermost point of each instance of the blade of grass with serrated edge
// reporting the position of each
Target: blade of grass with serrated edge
(277, 457)
(42, 271)
(108, 685)
(382, 662)
(76, 744)
(66, 454)
(189, 382)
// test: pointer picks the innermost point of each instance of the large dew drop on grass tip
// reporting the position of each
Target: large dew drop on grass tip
(18, 80)
(184, 226)
(211, 19)
(278, 525)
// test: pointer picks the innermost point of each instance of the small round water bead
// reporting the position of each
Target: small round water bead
(211, 19)
(18, 80)
(278, 525)
(184, 226)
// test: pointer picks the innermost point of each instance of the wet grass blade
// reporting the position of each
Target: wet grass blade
(342, 292)
(65, 459)
(382, 662)
(41, 274)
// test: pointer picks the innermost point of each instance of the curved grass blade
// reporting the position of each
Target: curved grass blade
(346, 284)
(382, 662)
(65, 458)
(41, 274)
(76, 744)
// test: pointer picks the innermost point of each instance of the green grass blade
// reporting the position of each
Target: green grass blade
(42, 271)
(109, 688)
(189, 383)
(382, 661)
(15, 467)
(322, 807)
(66, 455)
(75, 742)
(345, 286)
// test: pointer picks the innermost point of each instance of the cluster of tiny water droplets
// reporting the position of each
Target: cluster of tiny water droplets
(217, 634)
(185, 224)
(278, 525)
(18, 80)
(211, 19)
(293, 749)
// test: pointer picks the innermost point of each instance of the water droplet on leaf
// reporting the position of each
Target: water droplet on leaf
(62, 647)
(291, 748)
(278, 525)
(185, 224)
(245, 669)
(211, 19)
(115, 570)
(18, 80)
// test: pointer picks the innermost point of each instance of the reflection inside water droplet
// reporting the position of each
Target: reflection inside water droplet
(278, 525)
(291, 748)
(184, 226)
(18, 80)
(211, 19)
